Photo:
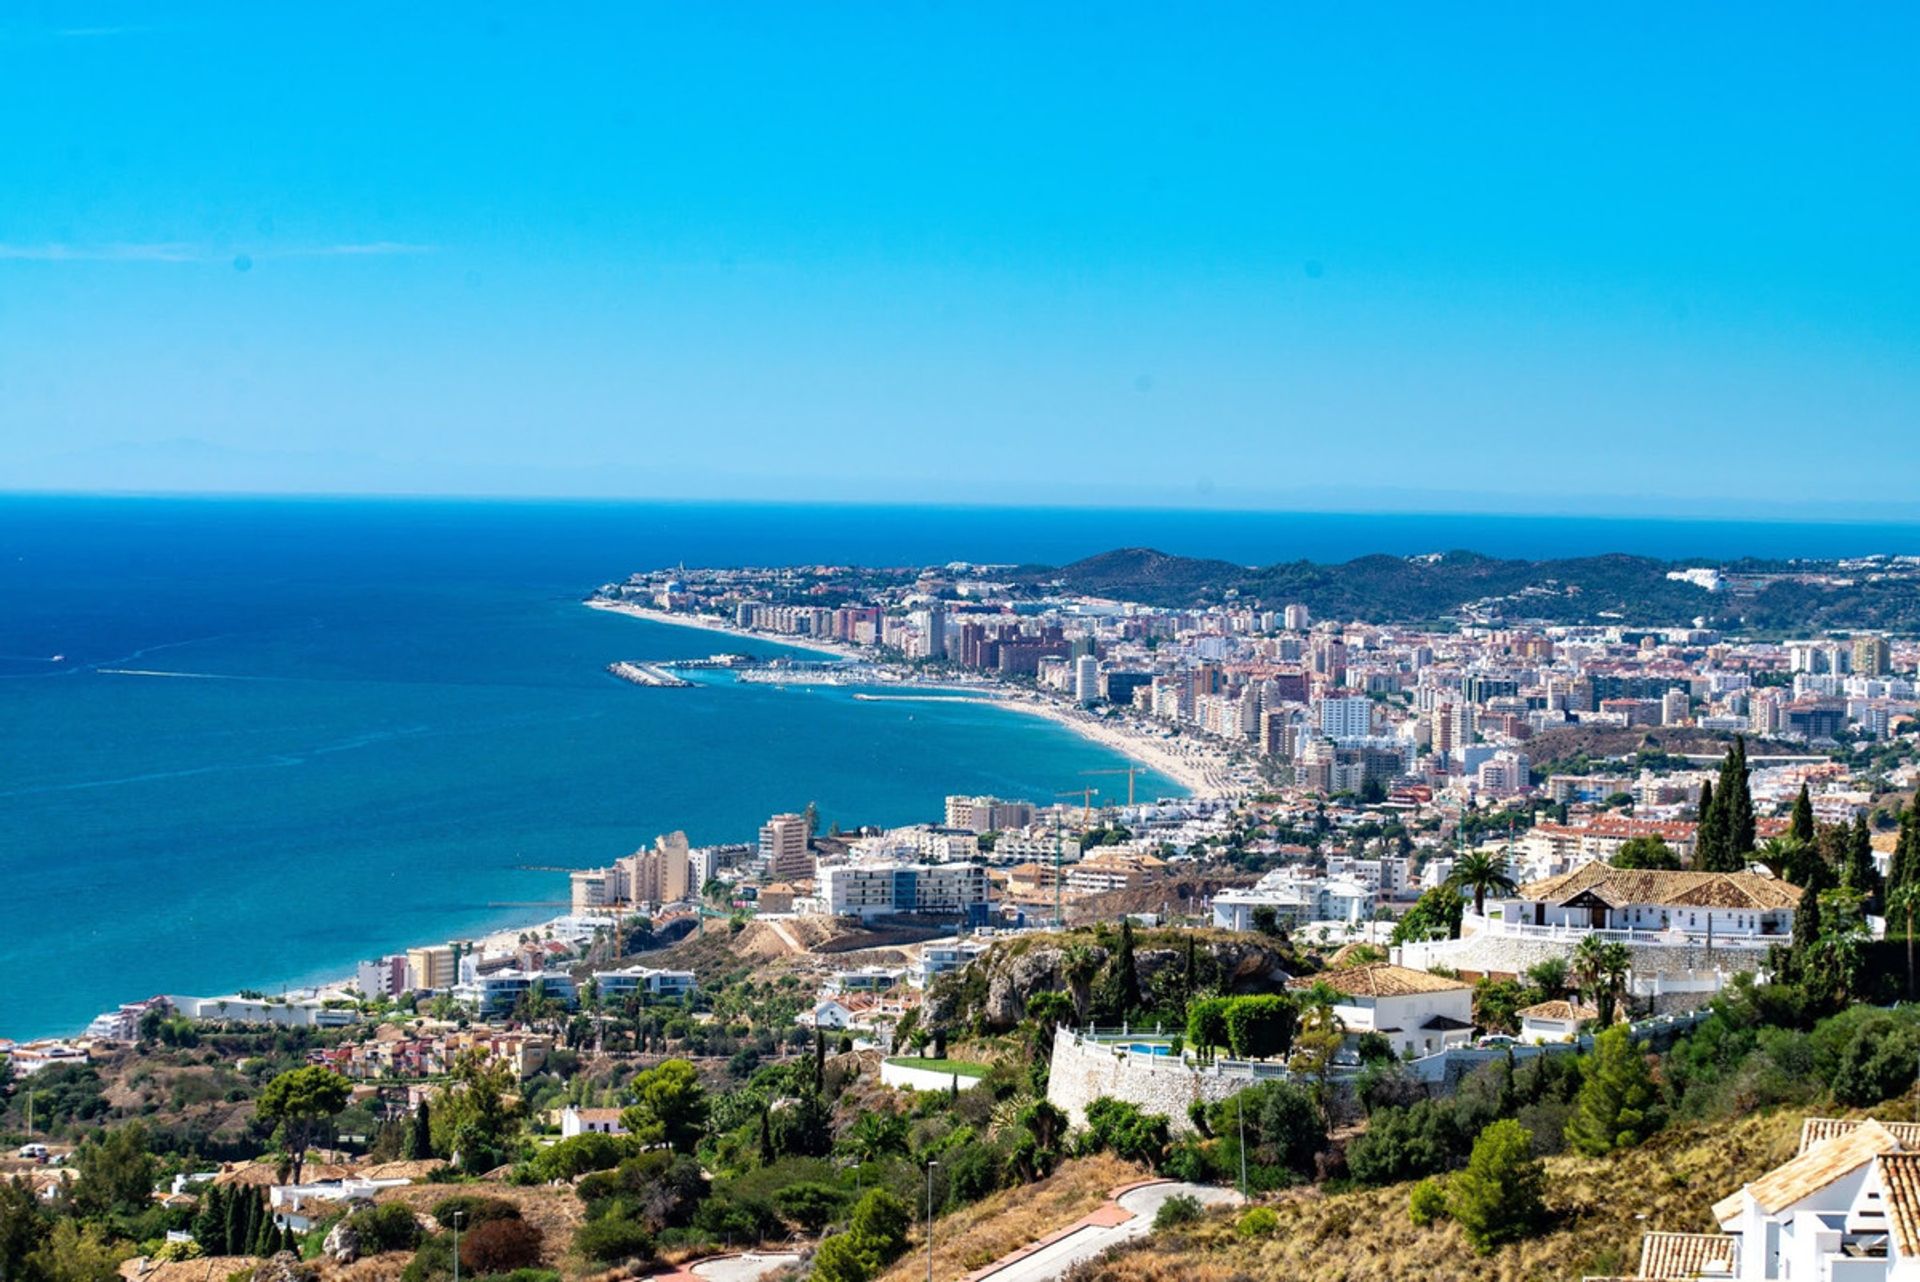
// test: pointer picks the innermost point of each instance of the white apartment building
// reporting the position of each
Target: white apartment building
(880, 890)
(1086, 679)
(987, 814)
(1348, 717)
(618, 985)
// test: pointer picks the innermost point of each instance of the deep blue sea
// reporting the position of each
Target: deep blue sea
(375, 716)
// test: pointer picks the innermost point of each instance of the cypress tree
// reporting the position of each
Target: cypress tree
(210, 1222)
(1900, 867)
(1806, 935)
(1860, 873)
(422, 1132)
(1707, 843)
(233, 1240)
(1124, 973)
(1802, 826)
(1740, 822)
(266, 1238)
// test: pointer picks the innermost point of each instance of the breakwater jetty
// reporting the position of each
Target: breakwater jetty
(647, 674)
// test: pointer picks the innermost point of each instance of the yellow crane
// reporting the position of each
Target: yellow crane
(1130, 772)
(1086, 796)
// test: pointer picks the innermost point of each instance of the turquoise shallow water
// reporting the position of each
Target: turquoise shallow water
(369, 740)
(392, 707)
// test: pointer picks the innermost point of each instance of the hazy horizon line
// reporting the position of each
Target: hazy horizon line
(1223, 509)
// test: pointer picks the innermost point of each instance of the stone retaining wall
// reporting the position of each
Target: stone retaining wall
(1083, 1071)
(924, 1079)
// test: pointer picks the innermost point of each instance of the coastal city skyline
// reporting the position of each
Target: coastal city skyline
(1072, 237)
(980, 643)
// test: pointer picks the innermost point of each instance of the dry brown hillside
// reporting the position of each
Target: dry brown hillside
(1600, 1207)
(1012, 1218)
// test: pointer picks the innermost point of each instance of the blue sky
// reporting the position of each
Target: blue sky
(1638, 258)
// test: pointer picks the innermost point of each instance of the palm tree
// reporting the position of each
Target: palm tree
(1785, 857)
(1903, 901)
(1482, 874)
(1600, 970)
(1586, 965)
(1078, 966)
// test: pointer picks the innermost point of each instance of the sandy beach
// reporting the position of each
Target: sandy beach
(1197, 767)
(710, 623)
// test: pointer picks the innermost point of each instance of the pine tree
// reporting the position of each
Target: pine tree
(1801, 830)
(1499, 1197)
(1618, 1105)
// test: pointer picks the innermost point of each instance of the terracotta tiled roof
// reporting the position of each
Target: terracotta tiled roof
(1816, 1129)
(1667, 889)
(1688, 1255)
(1900, 1186)
(1557, 1010)
(1821, 1165)
(1382, 979)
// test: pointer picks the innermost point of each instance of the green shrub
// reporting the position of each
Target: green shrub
(812, 1206)
(500, 1246)
(1177, 1210)
(577, 1156)
(612, 1239)
(883, 1219)
(844, 1257)
(385, 1228)
(1129, 1133)
(1427, 1202)
(1259, 1222)
(473, 1209)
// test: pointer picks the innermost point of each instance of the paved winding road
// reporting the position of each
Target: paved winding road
(745, 1268)
(1100, 1230)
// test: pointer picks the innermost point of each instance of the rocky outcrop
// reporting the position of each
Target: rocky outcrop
(285, 1267)
(343, 1243)
(996, 986)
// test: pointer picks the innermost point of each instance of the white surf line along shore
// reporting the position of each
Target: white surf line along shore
(708, 623)
(1197, 769)
(1188, 769)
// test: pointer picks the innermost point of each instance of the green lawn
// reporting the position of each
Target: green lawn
(965, 1068)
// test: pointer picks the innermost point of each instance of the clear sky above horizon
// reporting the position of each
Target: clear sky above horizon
(1641, 258)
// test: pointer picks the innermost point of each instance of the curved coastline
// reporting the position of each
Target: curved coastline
(1199, 768)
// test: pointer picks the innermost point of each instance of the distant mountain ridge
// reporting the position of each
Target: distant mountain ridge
(1462, 586)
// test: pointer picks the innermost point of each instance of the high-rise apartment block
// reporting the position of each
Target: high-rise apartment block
(783, 847)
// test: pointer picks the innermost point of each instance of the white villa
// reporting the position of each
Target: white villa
(1294, 900)
(1553, 1021)
(1731, 908)
(590, 1121)
(1417, 1012)
(1846, 1208)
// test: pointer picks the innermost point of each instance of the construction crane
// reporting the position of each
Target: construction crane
(1086, 796)
(1130, 772)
